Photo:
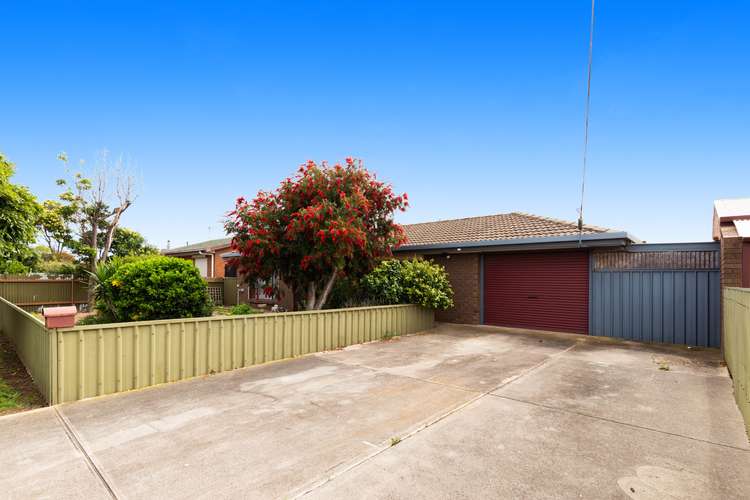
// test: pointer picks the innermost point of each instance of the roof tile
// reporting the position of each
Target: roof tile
(492, 227)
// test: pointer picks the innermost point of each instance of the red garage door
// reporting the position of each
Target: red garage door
(545, 291)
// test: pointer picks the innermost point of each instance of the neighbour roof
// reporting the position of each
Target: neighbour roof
(202, 245)
(743, 228)
(511, 226)
(732, 212)
(738, 208)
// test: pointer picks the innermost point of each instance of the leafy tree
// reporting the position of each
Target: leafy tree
(87, 213)
(324, 223)
(414, 281)
(54, 225)
(19, 212)
(128, 242)
(92, 209)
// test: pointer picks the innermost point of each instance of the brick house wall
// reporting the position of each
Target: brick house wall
(463, 271)
(731, 256)
(219, 263)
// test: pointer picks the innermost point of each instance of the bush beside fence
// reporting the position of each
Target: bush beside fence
(35, 346)
(736, 344)
(85, 361)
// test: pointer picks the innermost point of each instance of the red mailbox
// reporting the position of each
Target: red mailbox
(59, 317)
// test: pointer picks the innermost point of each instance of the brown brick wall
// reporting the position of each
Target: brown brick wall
(219, 263)
(731, 256)
(463, 271)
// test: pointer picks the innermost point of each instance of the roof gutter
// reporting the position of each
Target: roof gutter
(620, 238)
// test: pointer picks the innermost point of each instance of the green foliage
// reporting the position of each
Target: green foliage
(414, 281)
(59, 263)
(19, 212)
(13, 267)
(241, 309)
(54, 225)
(128, 242)
(148, 288)
(93, 320)
(349, 292)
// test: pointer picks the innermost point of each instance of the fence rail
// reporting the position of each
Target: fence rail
(35, 346)
(85, 361)
(736, 343)
(29, 293)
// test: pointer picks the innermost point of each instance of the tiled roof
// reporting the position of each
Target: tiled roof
(202, 245)
(514, 225)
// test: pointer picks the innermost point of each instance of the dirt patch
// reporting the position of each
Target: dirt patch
(15, 381)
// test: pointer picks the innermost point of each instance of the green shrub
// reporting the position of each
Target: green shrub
(56, 267)
(94, 319)
(414, 281)
(147, 288)
(13, 267)
(240, 309)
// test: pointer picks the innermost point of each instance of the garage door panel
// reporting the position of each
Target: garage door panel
(547, 291)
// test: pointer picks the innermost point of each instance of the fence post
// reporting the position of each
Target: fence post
(52, 343)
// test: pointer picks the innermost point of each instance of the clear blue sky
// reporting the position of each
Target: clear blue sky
(471, 107)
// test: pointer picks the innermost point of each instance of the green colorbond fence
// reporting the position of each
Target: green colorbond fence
(94, 360)
(35, 346)
(736, 343)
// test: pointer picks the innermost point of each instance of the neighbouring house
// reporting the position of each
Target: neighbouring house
(526, 271)
(731, 228)
(206, 255)
(213, 260)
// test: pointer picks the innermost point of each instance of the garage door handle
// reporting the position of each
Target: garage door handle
(532, 296)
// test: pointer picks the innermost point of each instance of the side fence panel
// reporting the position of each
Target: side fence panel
(35, 346)
(737, 345)
(104, 359)
(32, 293)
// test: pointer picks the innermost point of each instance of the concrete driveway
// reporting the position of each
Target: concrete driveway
(459, 412)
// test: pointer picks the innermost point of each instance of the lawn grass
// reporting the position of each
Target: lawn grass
(10, 399)
(17, 391)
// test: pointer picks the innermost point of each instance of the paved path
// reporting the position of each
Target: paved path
(472, 412)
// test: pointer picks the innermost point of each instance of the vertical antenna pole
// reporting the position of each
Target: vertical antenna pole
(586, 125)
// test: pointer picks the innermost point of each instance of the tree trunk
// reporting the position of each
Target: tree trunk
(310, 302)
(94, 261)
(327, 290)
(111, 230)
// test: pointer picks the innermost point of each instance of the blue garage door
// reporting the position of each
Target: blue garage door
(658, 293)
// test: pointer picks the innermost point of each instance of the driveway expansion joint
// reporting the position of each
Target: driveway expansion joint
(618, 422)
(78, 445)
(479, 395)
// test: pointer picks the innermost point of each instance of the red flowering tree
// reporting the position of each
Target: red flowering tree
(322, 224)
